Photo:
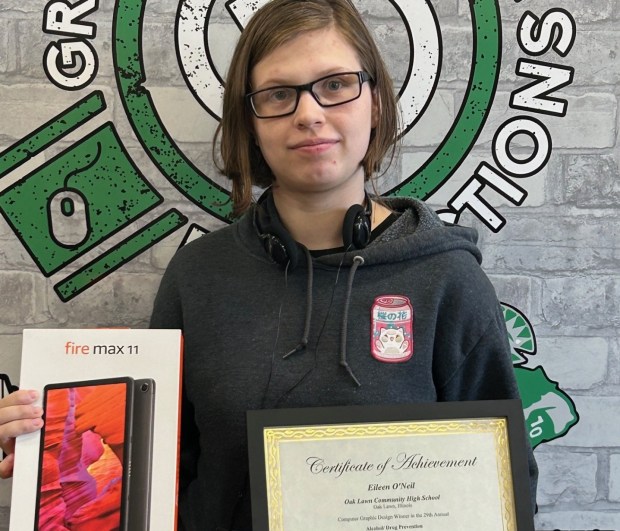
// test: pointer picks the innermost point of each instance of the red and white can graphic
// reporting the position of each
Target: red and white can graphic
(392, 329)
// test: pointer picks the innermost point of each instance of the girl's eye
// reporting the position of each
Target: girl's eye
(279, 95)
(334, 85)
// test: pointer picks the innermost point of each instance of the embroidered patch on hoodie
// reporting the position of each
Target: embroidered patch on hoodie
(392, 329)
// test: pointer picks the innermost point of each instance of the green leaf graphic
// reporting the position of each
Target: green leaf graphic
(549, 412)
(520, 334)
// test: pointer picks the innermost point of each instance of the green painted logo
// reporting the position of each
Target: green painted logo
(549, 412)
(85, 195)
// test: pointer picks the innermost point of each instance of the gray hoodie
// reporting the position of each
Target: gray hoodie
(410, 318)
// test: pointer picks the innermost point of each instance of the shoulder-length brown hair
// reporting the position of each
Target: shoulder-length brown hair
(272, 26)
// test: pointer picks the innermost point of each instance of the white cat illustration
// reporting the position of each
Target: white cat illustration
(391, 342)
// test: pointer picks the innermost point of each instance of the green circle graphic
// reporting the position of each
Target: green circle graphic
(486, 60)
(146, 123)
(199, 188)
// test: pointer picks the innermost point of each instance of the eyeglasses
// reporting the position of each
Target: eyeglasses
(328, 91)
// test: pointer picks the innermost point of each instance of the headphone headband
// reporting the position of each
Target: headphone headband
(284, 250)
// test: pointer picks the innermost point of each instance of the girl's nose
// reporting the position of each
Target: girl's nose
(309, 112)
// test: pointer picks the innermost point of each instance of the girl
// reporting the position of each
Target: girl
(319, 295)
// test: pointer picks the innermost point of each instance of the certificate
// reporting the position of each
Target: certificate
(430, 466)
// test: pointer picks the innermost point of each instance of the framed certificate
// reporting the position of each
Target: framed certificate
(428, 466)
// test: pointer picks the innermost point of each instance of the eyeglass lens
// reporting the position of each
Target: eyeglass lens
(328, 91)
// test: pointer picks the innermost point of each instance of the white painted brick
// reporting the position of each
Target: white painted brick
(594, 181)
(596, 60)
(578, 520)
(5, 35)
(222, 41)
(590, 121)
(534, 260)
(162, 254)
(26, 107)
(184, 118)
(10, 356)
(434, 125)
(568, 230)
(614, 361)
(549, 259)
(20, 6)
(201, 155)
(371, 8)
(117, 300)
(566, 478)
(21, 298)
(457, 53)
(32, 43)
(4, 511)
(576, 362)
(137, 293)
(597, 426)
(582, 302)
(534, 185)
(10, 362)
(390, 37)
(159, 56)
(513, 290)
(21, 171)
(161, 7)
(593, 58)
(614, 478)
(582, 12)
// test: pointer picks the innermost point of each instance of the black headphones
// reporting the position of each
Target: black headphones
(284, 250)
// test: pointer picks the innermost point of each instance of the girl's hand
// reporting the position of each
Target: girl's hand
(18, 415)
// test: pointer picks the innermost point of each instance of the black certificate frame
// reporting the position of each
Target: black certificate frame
(262, 422)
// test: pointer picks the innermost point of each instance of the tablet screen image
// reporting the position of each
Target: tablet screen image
(83, 468)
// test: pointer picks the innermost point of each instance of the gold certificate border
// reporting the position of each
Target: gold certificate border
(273, 437)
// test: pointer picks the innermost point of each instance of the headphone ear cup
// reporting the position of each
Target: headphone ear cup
(356, 228)
(281, 248)
(278, 243)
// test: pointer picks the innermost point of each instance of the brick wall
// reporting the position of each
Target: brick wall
(557, 258)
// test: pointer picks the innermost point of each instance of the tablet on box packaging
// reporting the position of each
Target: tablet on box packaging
(107, 455)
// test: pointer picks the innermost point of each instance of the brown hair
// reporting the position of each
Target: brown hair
(272, 26)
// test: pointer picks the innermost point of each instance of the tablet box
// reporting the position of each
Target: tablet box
(107, 456)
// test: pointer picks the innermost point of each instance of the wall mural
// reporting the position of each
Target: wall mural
(93, 188)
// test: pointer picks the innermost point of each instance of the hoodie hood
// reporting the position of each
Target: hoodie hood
(418, 232)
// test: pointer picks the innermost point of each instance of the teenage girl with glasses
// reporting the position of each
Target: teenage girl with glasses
(319, 294)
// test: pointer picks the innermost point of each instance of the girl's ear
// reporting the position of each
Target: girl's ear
(376, 108)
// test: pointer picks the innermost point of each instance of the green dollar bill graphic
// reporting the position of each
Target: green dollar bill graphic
(94, 181)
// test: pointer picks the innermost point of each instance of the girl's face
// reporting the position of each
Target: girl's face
(315, 149)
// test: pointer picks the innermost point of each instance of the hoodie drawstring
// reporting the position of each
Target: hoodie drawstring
(357, 261)
(304, 339)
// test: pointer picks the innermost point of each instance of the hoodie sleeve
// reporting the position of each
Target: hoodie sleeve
(168, 313)
(167, 309)
(486, 373)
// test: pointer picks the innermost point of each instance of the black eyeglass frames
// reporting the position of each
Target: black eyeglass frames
(328, 91)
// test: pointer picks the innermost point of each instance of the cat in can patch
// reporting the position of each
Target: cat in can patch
(392, 329)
